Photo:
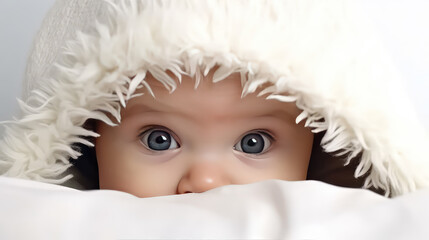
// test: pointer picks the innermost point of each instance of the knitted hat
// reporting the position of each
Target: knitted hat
(90, 57)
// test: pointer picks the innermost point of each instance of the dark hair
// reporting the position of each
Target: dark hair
(85, 168)
(327, 167)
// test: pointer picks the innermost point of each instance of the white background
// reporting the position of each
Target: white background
(19, 23)
(404, 27)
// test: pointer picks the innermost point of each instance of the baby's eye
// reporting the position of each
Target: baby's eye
(158, 140)
(254, 143)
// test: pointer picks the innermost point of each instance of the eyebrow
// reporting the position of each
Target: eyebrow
(144, 108)
(141, 108)
(281, 113)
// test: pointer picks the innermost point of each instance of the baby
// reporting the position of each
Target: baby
(196, 139)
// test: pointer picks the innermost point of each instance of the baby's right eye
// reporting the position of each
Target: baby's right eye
(158, 139)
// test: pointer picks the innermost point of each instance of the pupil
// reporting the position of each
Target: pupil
(252, 143)
(159, 140)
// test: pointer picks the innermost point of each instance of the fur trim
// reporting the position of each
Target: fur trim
(317, 54)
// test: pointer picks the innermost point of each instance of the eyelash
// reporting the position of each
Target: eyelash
(265, 135)
(153, 128)
(173, 139)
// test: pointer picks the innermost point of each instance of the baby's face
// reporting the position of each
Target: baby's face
(193, 140)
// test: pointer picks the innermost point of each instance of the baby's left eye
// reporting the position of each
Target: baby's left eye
(254, 143)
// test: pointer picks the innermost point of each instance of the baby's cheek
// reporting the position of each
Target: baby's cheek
(147, 186)
(292, 165)
(145, 177)
(281, 164)
(138, 181)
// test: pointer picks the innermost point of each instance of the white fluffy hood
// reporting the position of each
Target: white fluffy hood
(319, 54)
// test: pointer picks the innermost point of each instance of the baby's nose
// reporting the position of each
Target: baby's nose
(203, 176)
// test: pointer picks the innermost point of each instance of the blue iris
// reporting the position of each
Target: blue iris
(159, 140)
(252, 143)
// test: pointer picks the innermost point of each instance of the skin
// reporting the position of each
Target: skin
(208, 124)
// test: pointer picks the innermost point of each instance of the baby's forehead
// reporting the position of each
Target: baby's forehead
(218, 100)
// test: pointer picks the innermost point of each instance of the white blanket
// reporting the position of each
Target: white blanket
(266, 210)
